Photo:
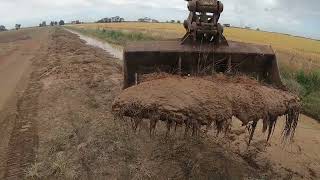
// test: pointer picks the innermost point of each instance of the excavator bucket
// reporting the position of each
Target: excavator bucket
(258, 61)
(202, 50)
(195, 101)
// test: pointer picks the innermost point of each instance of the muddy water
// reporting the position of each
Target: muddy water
(115, 50)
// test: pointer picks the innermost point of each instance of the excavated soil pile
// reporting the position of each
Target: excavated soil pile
(198, 101)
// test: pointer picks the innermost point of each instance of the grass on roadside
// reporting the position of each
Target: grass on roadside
(114, 36)
(307, 85)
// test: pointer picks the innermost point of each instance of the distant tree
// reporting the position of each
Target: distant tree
(61, 22)
(43, 24)
(55, 23)
(155, 21)
(2, 28)
(51, 23)
(258, 29)
(178, 21)
(18, 26)
(172, 21)
(106, 20)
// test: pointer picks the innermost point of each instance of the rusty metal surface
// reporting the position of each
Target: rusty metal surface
(146, 57)
(202, 23)
(175, 46)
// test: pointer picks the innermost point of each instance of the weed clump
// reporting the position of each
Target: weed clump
(307, 86)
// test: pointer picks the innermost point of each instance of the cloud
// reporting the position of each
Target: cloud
(287, 16)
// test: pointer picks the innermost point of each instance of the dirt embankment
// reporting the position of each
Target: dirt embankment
(78, 138)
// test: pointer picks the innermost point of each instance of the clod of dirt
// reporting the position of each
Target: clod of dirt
(198, 101)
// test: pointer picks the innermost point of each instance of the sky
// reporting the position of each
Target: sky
(295, 17)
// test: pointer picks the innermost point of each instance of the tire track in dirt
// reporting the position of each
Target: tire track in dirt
(24, 138)
(21, 148)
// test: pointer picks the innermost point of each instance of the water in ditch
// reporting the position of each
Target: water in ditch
(115, 50)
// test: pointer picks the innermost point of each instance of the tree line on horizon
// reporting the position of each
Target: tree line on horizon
(52, 23)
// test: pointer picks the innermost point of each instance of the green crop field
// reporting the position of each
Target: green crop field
(298, 58)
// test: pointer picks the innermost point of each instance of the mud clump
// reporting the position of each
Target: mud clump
(207, 101)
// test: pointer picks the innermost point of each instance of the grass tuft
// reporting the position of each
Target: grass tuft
(33, 171)
(311, 104)
(310, 81)
(307, 86)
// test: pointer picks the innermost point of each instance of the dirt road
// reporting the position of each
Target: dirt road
(61, 127)
(15, 59)
(17, 51)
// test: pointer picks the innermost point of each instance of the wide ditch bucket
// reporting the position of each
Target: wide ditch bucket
(258, 61)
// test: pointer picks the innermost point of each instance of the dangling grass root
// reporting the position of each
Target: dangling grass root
(206, 101)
